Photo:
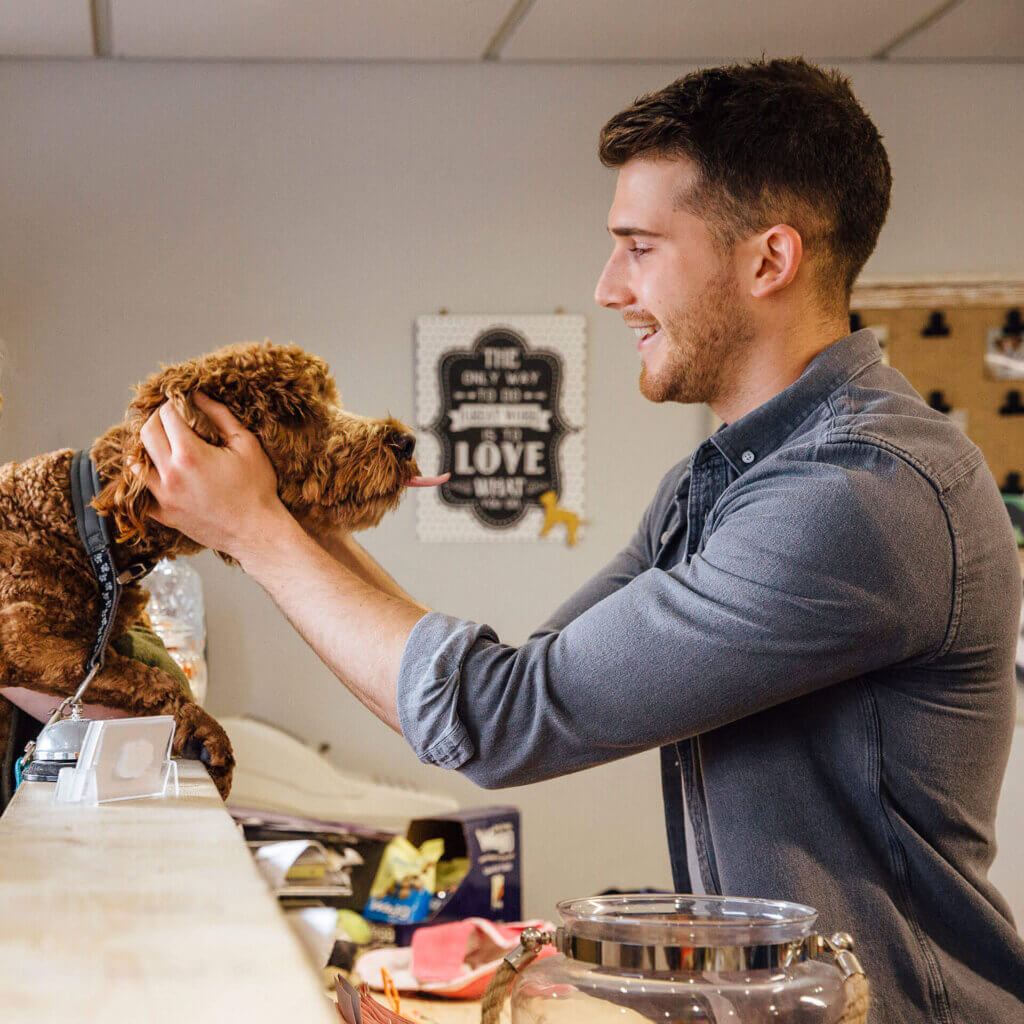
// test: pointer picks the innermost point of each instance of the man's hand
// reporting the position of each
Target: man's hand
(346, 607)
(223, 498)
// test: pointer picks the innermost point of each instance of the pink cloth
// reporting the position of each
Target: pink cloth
(463, 955)
(456, 960)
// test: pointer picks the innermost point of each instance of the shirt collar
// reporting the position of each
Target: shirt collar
(748, 440)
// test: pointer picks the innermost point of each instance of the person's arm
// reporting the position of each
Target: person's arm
(811, 577)
(343, 548)
(226, 499)
(42, 705)
(357, 629)
(667, 506)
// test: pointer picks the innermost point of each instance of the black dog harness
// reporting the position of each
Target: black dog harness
(95, 535)
(94, 532)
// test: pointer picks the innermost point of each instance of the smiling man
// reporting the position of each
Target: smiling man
(816, 618)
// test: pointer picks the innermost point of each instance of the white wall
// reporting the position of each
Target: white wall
(152, 211)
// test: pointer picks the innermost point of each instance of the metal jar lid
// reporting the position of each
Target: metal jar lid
(683, 933)
(655, 958)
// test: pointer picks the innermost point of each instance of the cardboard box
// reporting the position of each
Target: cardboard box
(489, 837)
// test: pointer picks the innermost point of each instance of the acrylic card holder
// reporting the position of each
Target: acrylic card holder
(122, 759)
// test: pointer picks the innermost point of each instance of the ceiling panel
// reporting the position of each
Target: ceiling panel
(673, 30)
(313, 29)
(45, 28)
(979, 29)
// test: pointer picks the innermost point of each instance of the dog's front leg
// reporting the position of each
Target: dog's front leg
(41, 661)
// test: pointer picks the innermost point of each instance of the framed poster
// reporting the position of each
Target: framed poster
(500, 406)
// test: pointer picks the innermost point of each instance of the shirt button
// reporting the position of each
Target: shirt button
(748, 456)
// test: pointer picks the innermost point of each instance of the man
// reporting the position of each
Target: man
(816, 618)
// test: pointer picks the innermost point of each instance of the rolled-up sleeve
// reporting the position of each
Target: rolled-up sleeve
(804, 581)
(428, 687)
(429, 677)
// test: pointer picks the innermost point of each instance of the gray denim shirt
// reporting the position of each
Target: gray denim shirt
(816, 622)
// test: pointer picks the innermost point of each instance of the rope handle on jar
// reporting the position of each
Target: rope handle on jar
(855, 983)
(531, 941)
(839, 947)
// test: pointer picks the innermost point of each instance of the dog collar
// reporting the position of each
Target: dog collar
(94, 532)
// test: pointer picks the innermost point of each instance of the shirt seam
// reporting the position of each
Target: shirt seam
(835, 436)
(430, 752)
(939, 995)
(450, 751)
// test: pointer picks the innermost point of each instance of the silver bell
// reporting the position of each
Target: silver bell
(57, 746)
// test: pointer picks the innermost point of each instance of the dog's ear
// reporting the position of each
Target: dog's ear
(123, 462)
(279, 392)
(269, 387)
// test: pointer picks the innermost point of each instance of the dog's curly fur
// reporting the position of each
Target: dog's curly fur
(334, 469)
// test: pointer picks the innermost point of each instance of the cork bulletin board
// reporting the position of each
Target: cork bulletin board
(937, 336)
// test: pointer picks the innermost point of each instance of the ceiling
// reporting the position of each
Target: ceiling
(514, 30)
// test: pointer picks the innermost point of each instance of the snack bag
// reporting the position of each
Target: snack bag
(405, 882)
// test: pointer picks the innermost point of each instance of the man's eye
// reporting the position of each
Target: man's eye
(639, 250)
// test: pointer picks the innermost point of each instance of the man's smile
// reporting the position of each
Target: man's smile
(646, 333)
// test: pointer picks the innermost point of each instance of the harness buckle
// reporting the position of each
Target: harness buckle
(134, 572)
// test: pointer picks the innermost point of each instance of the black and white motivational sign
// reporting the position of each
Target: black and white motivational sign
(500, 404)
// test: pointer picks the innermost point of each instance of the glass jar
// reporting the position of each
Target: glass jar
(686, 960)
(178, 616)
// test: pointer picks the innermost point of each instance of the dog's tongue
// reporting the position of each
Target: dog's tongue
(426, 481)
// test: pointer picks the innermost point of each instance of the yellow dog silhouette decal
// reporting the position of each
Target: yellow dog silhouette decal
(555, 514)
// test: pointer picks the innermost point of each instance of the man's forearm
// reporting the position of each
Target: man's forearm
(342, 547)
(357, 628)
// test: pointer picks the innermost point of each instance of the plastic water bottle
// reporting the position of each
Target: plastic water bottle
(179, 618)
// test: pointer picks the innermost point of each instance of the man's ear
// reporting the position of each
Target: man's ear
(775, 258)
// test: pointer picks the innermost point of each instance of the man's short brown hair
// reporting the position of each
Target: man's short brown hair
(779, 141)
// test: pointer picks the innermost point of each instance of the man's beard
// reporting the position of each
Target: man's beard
(699, 345)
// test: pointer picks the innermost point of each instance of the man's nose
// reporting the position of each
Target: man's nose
(611, 291)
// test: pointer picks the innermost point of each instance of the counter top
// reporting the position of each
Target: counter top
(142, 910)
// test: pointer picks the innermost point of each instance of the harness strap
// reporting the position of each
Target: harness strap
(95, 536)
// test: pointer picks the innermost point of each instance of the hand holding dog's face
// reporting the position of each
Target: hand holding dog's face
(333, 468)
(219, 496)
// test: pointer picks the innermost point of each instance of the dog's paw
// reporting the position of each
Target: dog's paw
(200, 737)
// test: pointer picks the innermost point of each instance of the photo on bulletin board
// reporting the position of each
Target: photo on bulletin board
(500, 404)
(1004, 354)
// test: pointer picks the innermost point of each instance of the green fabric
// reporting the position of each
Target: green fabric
(144, 645)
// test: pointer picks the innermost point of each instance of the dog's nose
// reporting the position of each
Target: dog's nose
(403, 444)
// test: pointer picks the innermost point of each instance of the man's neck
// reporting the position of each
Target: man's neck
(774, 360)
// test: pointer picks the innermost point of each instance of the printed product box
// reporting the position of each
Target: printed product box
(489, 839)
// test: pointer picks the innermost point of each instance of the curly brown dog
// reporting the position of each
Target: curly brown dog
(333, 469)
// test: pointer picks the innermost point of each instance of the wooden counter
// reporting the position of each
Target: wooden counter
(142, 911)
